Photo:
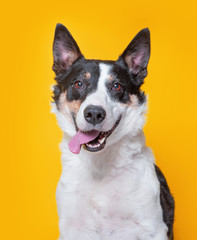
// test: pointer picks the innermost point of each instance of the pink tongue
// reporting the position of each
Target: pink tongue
(81, 138)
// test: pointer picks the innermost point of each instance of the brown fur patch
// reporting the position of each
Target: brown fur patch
(110, 77)
(66, 108)
(87, 75)
(134, 102)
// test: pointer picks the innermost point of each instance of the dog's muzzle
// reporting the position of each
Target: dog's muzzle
(92, 141)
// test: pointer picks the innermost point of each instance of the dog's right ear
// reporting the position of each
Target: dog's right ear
(65, 49)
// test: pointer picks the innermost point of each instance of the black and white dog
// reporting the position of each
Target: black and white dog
(110, 188)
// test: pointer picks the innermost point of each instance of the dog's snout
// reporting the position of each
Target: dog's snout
(94, 114)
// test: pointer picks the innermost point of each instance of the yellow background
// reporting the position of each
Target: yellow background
(30, 158)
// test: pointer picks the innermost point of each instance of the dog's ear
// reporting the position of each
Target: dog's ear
(65, 49)
(136, 55)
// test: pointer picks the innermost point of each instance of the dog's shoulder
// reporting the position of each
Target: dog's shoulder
(167, 202)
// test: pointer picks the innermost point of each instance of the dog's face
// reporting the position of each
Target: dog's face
(99, 102)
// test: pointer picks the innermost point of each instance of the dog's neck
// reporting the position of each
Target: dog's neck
(114, 157)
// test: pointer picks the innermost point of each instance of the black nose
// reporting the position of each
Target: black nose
(94, 114)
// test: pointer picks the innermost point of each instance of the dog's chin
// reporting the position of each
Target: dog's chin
(99, 142)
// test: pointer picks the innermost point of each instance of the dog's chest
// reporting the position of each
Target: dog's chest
(116, 197)
(128, 200)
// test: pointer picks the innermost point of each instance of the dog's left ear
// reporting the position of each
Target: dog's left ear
(136, 55)
(65, 49)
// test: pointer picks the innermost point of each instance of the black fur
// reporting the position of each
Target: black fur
(127, 80)
(167, 202)
(77, 73)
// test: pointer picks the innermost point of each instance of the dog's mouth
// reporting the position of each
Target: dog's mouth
(99, 142)
(92, 141)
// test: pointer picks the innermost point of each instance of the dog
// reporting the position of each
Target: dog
(110, 187)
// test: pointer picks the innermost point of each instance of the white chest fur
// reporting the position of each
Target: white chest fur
(101, 199)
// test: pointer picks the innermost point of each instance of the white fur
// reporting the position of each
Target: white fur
(113, 194)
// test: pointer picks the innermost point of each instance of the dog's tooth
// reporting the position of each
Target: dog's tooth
(101, 140)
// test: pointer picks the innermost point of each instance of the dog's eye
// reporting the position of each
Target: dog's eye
(78, 84)
(116, 87)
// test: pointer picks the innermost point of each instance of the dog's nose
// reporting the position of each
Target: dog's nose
(94, 114)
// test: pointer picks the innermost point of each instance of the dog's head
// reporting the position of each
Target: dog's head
(99, 102)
